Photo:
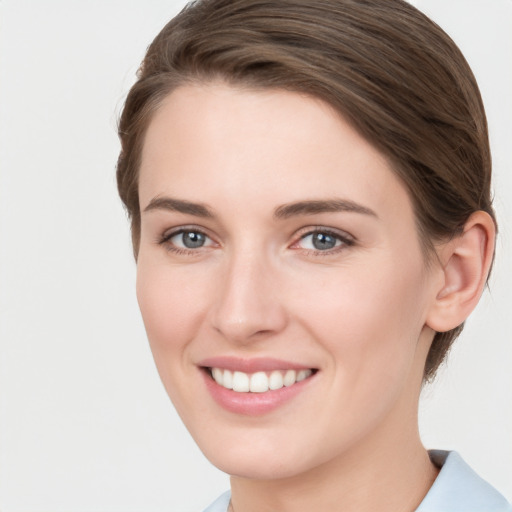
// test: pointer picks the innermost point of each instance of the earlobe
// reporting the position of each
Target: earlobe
(466, 261)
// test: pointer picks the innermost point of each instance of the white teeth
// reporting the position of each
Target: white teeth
(290, 377)
(259, 382)
(227, 381)
(217, 374)
(303, 374)
(240, 382)
(276, 380)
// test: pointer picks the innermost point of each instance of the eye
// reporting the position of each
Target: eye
(189, 239)
(322, 240)
(186, 240)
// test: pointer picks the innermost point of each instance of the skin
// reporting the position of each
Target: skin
(362, 314)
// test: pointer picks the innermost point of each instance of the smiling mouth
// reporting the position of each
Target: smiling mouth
(258, 382)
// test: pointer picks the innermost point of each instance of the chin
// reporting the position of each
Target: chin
(259, 455)
(257, 467)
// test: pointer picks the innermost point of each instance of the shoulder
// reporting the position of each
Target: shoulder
(459, 489)
(220, 504)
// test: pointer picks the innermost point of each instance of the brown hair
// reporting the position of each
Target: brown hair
(387, 68)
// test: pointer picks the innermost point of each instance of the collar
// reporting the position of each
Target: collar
(458, 488)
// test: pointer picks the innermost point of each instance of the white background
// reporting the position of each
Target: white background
(84, 422)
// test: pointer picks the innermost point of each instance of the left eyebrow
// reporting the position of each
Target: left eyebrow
(313, 207)
(179, 205)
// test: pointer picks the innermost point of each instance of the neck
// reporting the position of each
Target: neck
(389, 471)
(393, 480)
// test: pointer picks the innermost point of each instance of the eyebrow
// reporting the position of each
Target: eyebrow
(179, 205)
(314, 207)
(285, 211)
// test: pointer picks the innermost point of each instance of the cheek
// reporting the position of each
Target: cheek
(369, 323)
(172, 308)
(170, 305)
(368, 317)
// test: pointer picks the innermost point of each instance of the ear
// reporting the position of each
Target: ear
(465, 264)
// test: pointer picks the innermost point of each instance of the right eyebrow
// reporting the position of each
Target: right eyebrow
(179, 205)
(316, 206)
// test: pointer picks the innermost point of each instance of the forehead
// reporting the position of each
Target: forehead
(215, 143)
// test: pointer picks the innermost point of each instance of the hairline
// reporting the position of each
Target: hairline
(178, 80)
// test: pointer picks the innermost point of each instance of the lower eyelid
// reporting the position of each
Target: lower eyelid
(167, 235)
(346, 240)
(342, 240)
(181, 249)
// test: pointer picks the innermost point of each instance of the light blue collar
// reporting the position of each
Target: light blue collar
(457, 488)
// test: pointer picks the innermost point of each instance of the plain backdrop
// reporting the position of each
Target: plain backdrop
(85, 425)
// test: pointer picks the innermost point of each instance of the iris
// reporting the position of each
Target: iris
(193, 239)
(323, 241)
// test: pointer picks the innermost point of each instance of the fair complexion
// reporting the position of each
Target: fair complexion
(275, 238)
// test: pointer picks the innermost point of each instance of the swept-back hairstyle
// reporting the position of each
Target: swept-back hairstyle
(390, 71)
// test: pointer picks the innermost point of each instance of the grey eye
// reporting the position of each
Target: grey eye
(320, 241)
(323, 241)
(189, 239)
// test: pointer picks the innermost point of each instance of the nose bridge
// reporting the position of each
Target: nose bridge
(248, 304)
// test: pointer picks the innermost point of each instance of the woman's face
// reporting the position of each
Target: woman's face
(279, 253)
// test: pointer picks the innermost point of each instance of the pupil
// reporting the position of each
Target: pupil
(323, 242)
(192, 240)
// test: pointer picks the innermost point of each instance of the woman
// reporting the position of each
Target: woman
(309, 190)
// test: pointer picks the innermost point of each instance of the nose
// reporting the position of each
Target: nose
(248, 306)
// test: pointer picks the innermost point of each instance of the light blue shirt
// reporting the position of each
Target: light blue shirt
(457, 488)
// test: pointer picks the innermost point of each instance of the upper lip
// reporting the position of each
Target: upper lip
(253, 365)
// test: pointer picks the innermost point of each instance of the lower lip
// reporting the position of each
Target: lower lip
(253, 404)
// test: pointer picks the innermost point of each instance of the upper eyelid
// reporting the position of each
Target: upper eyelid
(309, 230)
(164, 239)
(299, 234)
(170, 232)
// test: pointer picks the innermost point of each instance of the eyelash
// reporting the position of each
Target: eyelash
(345, 239)
(166, 237)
